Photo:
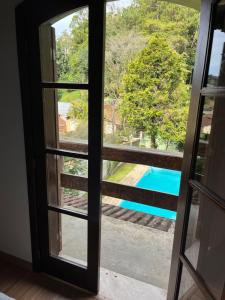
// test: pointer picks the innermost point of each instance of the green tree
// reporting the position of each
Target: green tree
(152, 86)
(63, 51)
(127, 31)
(79, 49)
(119, 51)
(177, 22)
(79, 110)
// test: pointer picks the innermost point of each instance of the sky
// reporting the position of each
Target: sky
(217, 50)
(63, 24)
(218, 41)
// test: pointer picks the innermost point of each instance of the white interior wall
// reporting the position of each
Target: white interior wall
(14, 212)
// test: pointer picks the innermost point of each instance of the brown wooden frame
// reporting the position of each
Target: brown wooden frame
(135, 155)
(188, 182)
(121, 191)
(30, 15)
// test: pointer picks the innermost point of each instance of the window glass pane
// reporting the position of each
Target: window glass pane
(68, 237)
(205, 131)
(205, 244)
(63, 189)
(75, 200)
(64, 48)
(75, 166)
(210, 165)
(66, 118)
(216, 75)
(188, 289)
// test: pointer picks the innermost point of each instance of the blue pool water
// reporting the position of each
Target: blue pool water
(160, 180)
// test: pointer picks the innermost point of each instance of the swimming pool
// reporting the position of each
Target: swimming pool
(160, 180)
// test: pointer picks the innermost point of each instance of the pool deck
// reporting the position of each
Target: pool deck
(133, 177)
(124, 214)
(134, 244)
(135, 251)
(130, 179)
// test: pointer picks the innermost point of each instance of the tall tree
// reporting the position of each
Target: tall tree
(154, 81)
(119, 51)
(63, 53)
(178, 22)
(79, 49)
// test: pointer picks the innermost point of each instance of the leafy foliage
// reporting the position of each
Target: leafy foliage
(153, 85)
(150, 53)
(75, 166)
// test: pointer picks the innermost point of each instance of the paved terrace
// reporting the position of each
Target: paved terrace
(134, 244)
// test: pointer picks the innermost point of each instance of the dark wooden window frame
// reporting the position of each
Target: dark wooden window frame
(29, 16)
(188, 184)
(35, 153)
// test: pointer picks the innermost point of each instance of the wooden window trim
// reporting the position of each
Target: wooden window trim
(130, 193)
(133, 155)
(66, 85)
(196, 278)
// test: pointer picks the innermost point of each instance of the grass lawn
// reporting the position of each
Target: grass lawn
(73, 95)
(121, 172)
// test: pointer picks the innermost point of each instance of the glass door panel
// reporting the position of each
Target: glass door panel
(72, 116)
(205, 242)
(210, 162)
(201, 249)
(67, 183)
(63, 119)
(65, 109)
(188, 289)
(70, 38)
(216, 66)
(73, 238)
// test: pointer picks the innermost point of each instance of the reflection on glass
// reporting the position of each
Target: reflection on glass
(75, 166)
(75, 200)
(64, 48)
(68, 237)
(205, 244)
(64, 191)
(205, 131)
(216, 74)
(210, 165)
(188, 289)
(66, 113)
